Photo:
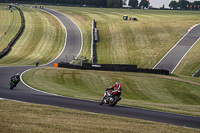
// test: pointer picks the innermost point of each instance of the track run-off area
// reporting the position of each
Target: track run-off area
(73, 45)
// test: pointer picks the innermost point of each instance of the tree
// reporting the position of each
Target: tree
(173, 5)
(196, 5)
(114, 3)
(133, 3)
(99, 3)
(163, 7)
(144, 3)
(183, 4)
(110, 3)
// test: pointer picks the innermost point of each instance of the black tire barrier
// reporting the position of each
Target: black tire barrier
(6, 50)
(114, 67)
(196, 74)
(93, 44)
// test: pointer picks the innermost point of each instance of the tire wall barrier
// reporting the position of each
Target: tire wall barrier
(12, 42)
(93, 42)
(196, 74)
(113, 67)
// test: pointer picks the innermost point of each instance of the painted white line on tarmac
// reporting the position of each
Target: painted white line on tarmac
(47, 92)
(56, 57)
(174, 47)
(65, 39)
(184, 55)
(66, 35)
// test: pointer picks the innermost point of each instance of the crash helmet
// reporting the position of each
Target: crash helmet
(117, 83)
(17, 74)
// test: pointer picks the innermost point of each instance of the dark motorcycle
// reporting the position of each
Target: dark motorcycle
(13, 83)
(110, 98)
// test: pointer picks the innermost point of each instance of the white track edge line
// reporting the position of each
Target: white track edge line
(65, 39)
(184, 55)
(56, 58)
(173, 47)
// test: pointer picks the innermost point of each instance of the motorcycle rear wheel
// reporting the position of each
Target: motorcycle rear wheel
(12, 85)
(114, 101)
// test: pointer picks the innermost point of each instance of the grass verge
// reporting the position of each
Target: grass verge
(26, 117)
(142, 42)
(42, 40)
(10, 23)
(150, 91)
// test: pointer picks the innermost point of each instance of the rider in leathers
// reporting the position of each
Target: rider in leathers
(118, 87)
(17, 76)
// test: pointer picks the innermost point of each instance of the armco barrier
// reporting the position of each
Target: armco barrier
(114, 67)
(12, 42)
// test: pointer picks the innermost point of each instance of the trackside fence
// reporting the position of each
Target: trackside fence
(12, 42)
(113, 67)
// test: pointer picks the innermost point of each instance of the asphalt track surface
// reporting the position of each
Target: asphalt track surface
(26, 94)
(172, 59)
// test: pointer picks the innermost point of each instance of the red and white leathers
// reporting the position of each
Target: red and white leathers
(118, 87)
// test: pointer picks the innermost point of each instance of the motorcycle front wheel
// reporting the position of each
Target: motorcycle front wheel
(101, 101)
(114, 101)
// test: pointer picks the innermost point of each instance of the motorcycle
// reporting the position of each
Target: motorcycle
(110, 98)
(13, 83)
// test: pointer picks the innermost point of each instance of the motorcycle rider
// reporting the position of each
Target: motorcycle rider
(17, 76)
(118, 87)
(110, 93)
(110, 90)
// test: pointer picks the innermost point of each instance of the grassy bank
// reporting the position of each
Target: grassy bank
(25, 117)
(173, 94)
(142, 42)
(42, 40)
(10, 23)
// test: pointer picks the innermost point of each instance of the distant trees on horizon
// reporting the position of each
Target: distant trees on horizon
(181, 4)
(184, 5)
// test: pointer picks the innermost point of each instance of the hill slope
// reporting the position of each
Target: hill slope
(142, 42)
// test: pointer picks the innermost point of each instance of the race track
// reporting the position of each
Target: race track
(73, 47)
(172, 59)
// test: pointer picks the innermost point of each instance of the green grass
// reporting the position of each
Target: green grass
(9, 23)
(26, 117)
(150, 91)
(42, 40)
(190, 64)
(142, 42)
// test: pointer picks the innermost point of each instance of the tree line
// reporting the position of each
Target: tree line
(185, 5)
(181, 4)
(95, 3)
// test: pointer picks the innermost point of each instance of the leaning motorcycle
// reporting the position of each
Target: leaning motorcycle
(13, 83)
(110, 98)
